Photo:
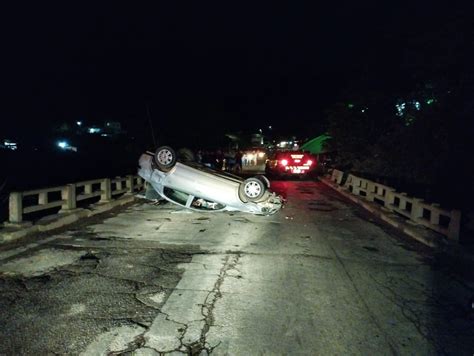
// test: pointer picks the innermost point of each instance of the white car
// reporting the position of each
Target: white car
(196, 187)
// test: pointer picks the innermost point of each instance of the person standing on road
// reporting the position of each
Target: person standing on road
(238, 161)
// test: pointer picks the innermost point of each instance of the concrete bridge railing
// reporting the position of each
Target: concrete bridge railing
(444, 221)
(67, 196)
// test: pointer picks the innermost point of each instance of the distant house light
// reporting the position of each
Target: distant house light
(79, 123)
(400, 109)
(63, 144)
(93, 130)
(9, 145)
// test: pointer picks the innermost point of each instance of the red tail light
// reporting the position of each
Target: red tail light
(284, 162)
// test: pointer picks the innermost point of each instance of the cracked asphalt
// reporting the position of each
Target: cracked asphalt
(320, 277)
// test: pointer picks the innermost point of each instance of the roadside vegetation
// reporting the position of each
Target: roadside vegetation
(418, 135)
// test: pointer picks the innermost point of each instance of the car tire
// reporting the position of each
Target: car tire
(264, 179)
(164, 158)
(252, 189)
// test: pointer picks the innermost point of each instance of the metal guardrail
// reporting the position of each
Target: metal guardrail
(444, 221)
(67, 196)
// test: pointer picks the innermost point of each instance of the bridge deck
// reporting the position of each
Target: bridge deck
(319, 277)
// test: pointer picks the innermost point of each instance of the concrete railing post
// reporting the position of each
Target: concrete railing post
(118, 183)
(338, 177)
(416, 209)
(15, 205)
(43, 198)
(454, 225)
(68, 194)
(349, 181)
(370, 191)
(130, 185)
(88, 189)
(434, 215)
(106, 191)
(403, 201)
(389, 198)
(356, 185)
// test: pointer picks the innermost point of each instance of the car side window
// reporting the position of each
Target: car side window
(176, 195)
(203, 204)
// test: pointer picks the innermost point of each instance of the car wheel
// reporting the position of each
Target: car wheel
(265, 180)
(252, 189)
(164, 158)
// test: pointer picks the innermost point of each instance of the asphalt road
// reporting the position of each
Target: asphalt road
(321, 277)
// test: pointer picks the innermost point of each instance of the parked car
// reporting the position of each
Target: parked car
(197, 187)
(284, 163)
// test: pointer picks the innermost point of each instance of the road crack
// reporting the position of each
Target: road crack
(207, 308)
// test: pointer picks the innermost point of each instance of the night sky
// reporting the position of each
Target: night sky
(223, 66)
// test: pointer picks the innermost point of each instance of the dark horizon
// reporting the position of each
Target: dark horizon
(217, 68)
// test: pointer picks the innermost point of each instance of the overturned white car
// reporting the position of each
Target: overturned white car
(197, 187)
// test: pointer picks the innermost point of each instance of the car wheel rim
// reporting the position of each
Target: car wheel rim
(252, 189)
(165, 157)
